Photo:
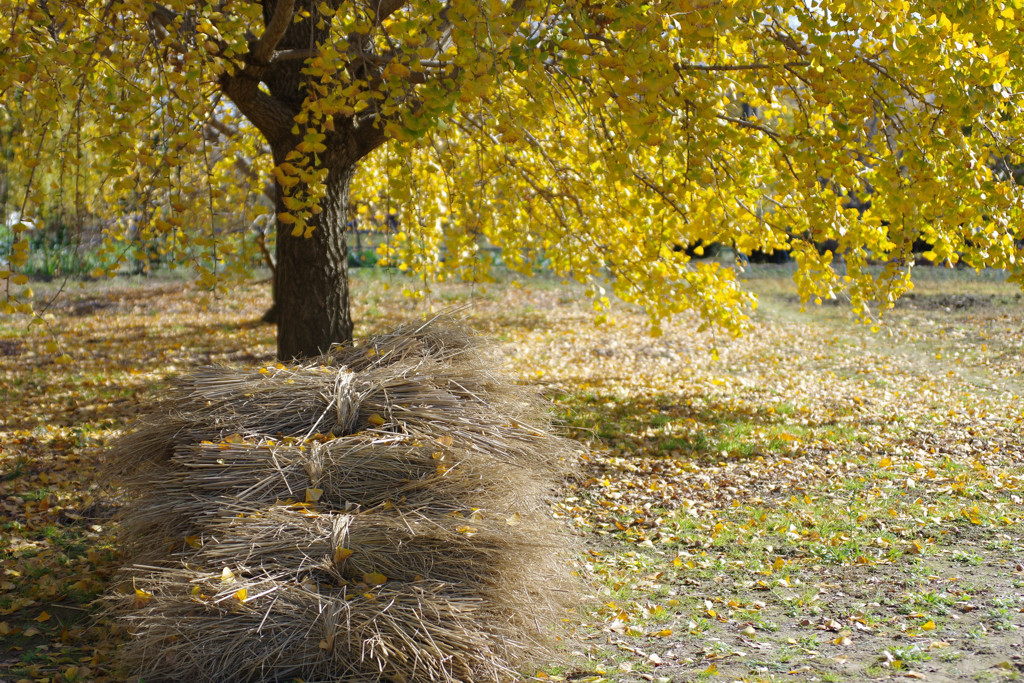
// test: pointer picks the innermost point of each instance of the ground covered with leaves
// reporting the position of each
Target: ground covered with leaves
(813, 501)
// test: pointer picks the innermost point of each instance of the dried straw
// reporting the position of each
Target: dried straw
(193, 627)
(362, 470)
(376, 514)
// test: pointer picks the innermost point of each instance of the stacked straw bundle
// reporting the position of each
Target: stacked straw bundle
(373, 515)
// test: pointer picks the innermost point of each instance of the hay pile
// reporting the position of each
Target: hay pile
(374, 515)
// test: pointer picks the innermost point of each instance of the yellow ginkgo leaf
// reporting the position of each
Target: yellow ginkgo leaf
(374, 579)
(142, 598)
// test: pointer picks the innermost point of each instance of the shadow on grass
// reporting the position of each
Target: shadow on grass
(118, 372)
(695, 427)
(497, 326)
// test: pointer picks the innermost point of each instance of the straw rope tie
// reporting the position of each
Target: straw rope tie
(339, 531)
(345, 402)
(314, 465)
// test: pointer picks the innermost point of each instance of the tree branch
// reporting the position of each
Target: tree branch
(654, 187)
(162, 16)
(230, 131)
(679, 66)
(772, 135)
(222, 128)
(263, 49)
(790, 43)
(268, 258)
(271, 116)
(215, 129)
(245, 168)
(748, 124)
(910, 92)
(161, 21)
(382, 9)
(285, 55)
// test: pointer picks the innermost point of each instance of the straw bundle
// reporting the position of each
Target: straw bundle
(374, 515)
(362, 470)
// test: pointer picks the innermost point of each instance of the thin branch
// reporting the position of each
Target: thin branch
(682, 66)
(245, 168)
(908, 90)
(161, 21)
(790, 43)
(772, 135)
(657, 189)
(285, 55)
(268, 258)
(243, 165)
(229, 131)
(222, 128)
(435, 64)
(744, 123)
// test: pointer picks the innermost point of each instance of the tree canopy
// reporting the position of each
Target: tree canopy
(605, 141)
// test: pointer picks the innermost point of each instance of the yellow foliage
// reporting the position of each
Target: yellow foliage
(604, 143)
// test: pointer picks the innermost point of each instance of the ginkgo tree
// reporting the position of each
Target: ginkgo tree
(597, 138)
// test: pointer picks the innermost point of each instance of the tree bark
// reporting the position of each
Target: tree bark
(311, 301)
(311, 280)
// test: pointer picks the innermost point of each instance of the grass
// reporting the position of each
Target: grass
(841, 493)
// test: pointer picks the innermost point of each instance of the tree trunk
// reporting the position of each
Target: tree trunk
(311, 281)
